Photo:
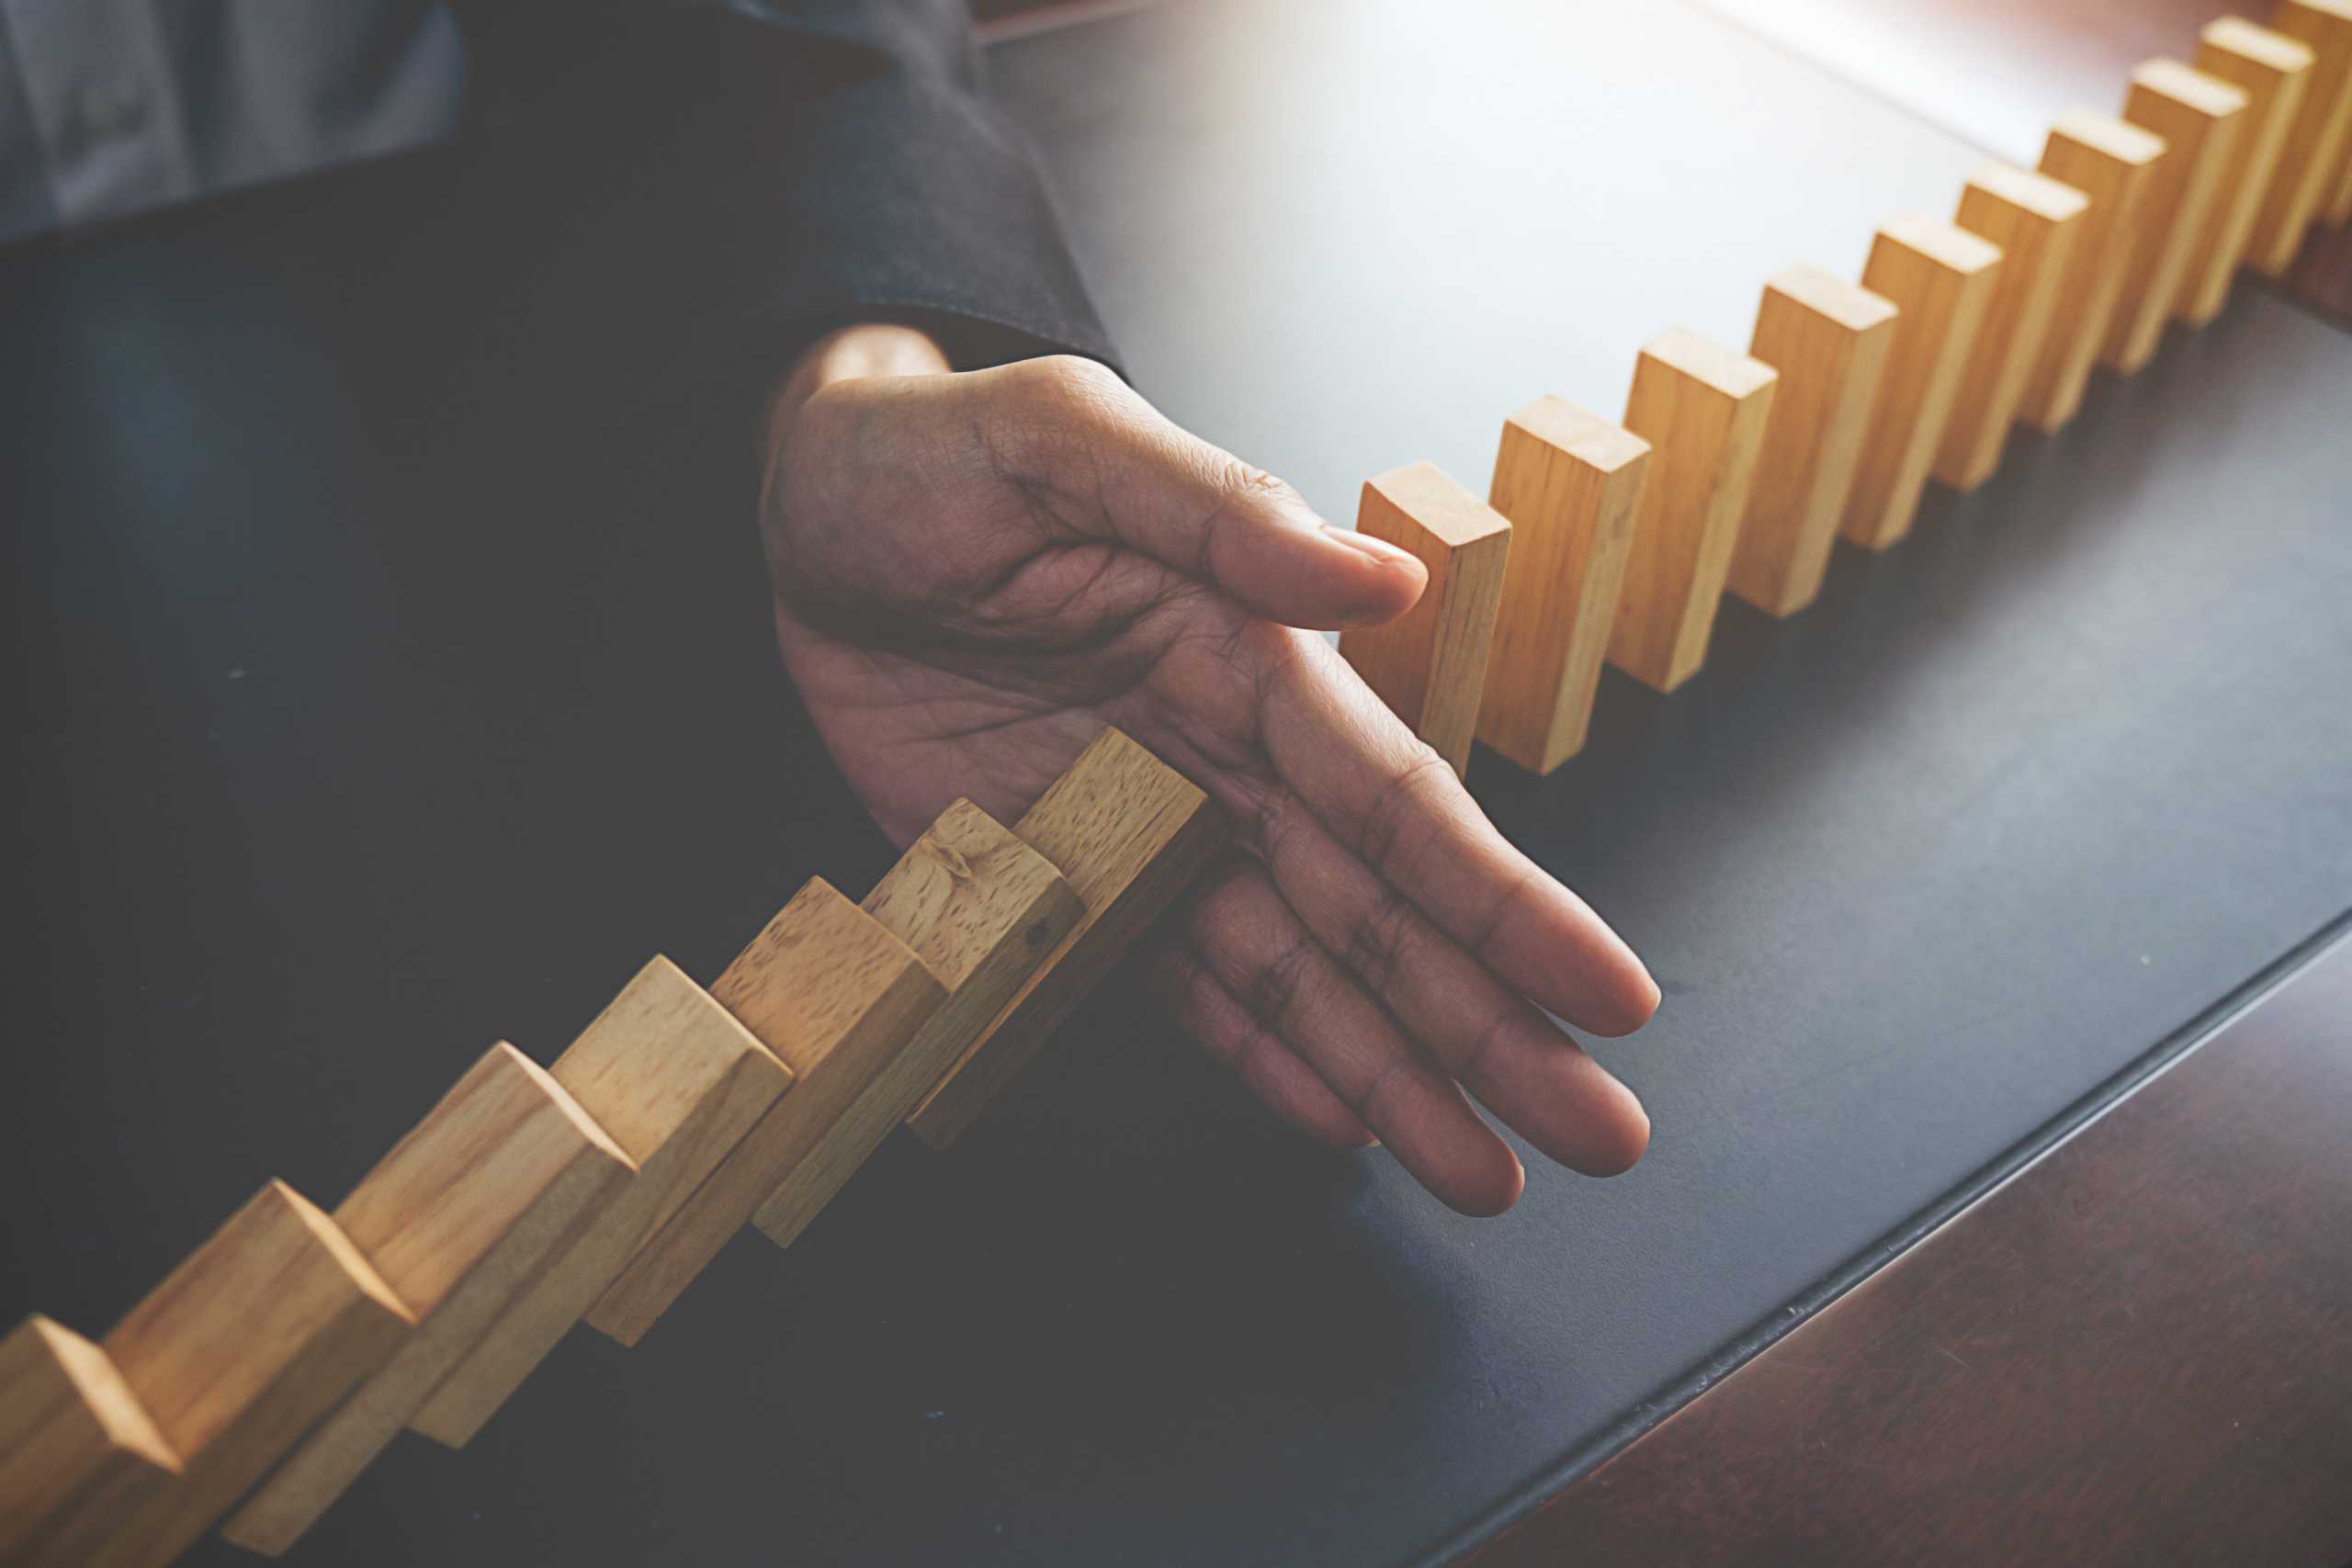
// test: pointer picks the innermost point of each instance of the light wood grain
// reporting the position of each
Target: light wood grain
(2112, 163)
(77, 1449)
(1128, 833)
(983, 910)
(261, 1332)
(465, 1210)
(675, 1081)
(1702, 408)
(1567, 482)
(1943, 278)
(1830, 341)
(1430, 664)
(2319, 139)
(2200, 117)
(2036, 221)
(2272, 70)
(834, 996)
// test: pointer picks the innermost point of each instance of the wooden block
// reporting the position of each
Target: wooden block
(460, 1215)
(1942, 279)
(77, 1449)
(982, 911)
(675, 1081)
(1566, 482)
(2272, 70)
(260, 1332)
(1129, 833)
(2200, 118)
(2339, 208)
(2035, 220)
(834, 996)
(2113, 164)
(1430, 664)
(2319, 139)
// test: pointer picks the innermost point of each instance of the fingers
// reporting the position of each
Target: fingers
(1123, 470)
(1249, 941)
(1235, 1036)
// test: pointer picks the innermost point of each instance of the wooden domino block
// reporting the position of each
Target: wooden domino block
(675, 1081)
(2035, 220)
(2319, 139)
(1942, 279)
(1567, 482)
(77, 1449)
(239, 1353)
(1830, 341)
(463, 1212)
(982, 909)
(1128, 832)
(834, 996)
(2112, 163)
(2200, 117)
(1430, 664)
(2272, 70)
(1702, 408)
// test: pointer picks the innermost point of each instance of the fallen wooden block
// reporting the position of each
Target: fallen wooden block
(1430, 664)
(261, 1332)
(1942, 279)
(2319, 139)
(462, 1212)
(1567, 482)
(78, 1451)
(833, 996)
(2035, 220)
(2272, 70)
(982, 911)
(2200, 118)
(2112, 163)
(676, 1082)
(1128, 832)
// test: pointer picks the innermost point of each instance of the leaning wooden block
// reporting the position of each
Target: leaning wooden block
(2112, 163)
(2200, 117)
(1566, 482)
(1942, 277)
(261, 1332)
(835, 997)
(462, 1212)
(1129, 833)
(2319, 139)
(1430, 664)
(2035, 220)
(675, 1081)
(77, 1449)
(2272, 70)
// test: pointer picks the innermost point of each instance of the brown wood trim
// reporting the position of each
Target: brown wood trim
(2137, 1349)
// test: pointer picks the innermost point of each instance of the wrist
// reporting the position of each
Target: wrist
(853, 352)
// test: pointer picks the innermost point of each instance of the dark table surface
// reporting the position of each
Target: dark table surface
(372, 704)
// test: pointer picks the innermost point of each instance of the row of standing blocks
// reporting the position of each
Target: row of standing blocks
(1600, 542)
(271, 1368)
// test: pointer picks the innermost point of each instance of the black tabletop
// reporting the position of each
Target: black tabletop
(374, 703)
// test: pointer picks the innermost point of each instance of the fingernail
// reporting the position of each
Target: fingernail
(1380, 550)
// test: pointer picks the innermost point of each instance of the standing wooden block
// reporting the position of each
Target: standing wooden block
(982, 911)
(1429, 663)
(1129, 833)
(2318, 138)
(464, 1210)
(77, 1449)
(1567, 482)
(261, 1332)
(2200, 118)
(1942, 279)
(2112, 163)
(2272, 70)
(834, 996)
(2035, 220)
(1830, 341)
(675, 1081)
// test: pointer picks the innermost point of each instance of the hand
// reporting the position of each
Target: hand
(975, 573)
